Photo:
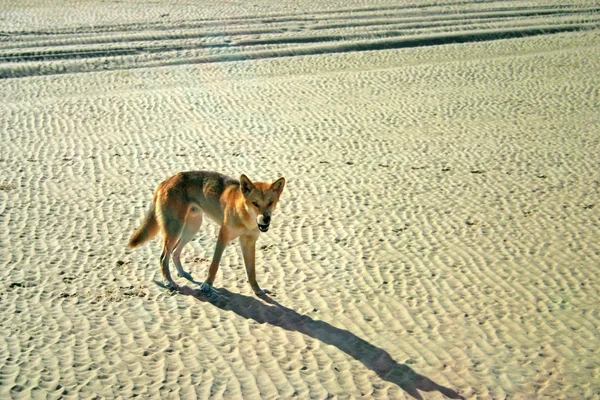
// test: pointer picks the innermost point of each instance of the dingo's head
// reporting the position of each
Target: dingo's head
(261, 199)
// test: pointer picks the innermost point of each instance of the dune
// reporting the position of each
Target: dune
(437, 236)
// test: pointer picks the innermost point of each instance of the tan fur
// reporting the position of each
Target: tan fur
(240, 207)
(147, 230)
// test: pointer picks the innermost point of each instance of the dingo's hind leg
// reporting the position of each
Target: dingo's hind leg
(168, 245)
(193, 222)
(171, 218)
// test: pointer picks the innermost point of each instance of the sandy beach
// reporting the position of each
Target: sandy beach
(438, 236)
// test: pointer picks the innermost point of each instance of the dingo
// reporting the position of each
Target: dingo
(242, 208)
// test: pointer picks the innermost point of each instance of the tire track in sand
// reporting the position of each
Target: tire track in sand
(109, 47)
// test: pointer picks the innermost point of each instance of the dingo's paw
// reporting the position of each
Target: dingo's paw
(208, 290)
(261, 292)
(185, 274)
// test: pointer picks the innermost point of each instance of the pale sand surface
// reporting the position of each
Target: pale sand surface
(439, 232)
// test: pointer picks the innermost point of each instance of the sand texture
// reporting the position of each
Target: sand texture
(438, 237)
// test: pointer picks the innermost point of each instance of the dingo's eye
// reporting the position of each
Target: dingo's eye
(255, 204)
(270, 204)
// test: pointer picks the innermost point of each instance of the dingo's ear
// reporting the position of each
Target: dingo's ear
(278, 185)
(246, 185)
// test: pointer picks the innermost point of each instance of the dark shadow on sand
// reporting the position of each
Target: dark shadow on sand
(374, 358)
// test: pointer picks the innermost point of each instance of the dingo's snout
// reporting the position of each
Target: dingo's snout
(263, 220)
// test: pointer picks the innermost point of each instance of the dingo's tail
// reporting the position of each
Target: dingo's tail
(147, 230)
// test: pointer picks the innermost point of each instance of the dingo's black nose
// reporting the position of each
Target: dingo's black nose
(266, 219)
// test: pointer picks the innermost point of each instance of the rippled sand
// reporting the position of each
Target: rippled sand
(438, 235)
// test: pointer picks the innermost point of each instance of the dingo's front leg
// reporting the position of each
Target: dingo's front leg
(248, 243)
(207, 285)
